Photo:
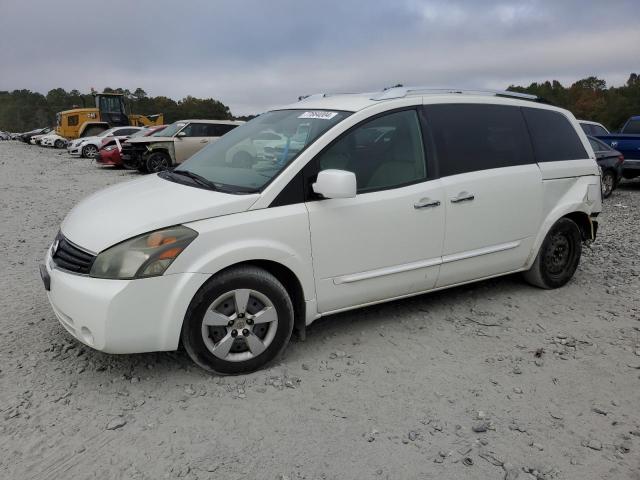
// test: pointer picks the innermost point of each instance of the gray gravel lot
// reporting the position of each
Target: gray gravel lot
(489, 381)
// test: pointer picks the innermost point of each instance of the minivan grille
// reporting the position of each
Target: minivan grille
(69, 257)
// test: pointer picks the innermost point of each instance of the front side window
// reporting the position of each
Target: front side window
(385, 152)
(170, 131)
(195, 130)
(554, 138)
(242, 162)
(472, 137)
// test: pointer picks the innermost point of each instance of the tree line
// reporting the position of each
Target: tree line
(591, 99)
(588, 99)
(22, 110)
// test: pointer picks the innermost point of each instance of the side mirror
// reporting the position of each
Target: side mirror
(181, 134)
(335, 184)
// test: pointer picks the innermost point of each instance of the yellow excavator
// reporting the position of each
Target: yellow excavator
(109, 112)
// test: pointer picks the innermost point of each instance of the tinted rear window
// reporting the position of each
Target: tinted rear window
(553, 136)
(470, 137)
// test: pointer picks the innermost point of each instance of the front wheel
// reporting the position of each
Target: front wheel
(89, 151)
(157, 162)
(59, 144)
(608, 182)
(558, 257)
(238, 322)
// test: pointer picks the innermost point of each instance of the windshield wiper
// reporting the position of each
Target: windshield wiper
(196, 178)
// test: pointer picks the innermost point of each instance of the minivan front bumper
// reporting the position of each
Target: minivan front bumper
(121, 316)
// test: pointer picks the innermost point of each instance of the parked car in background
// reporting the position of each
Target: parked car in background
(52, 139)
(37, 139)
(226, 256)
(88, 147)
(610, 162)
(627, 142)
(593, 128)
(109, 153)
(174, 144)
(26, 137)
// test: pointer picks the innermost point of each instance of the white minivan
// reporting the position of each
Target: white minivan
(358, 199)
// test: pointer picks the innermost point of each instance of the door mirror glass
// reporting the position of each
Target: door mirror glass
(181, 134)
(335, 184)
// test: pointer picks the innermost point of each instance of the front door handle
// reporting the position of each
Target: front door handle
(426, 203)
(463, 197)
(204, 141)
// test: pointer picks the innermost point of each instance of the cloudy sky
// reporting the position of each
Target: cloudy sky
(253, 54)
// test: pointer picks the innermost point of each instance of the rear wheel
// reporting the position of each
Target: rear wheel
(238, 322)
(608, 183)
(89, 151)
(59, 144)
(558, 257)
(157, 162)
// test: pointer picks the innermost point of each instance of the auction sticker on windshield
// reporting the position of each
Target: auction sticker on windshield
(319, 114)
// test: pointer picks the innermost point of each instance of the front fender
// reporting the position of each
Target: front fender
(279, 235)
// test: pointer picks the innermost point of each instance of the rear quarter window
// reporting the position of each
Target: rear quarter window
(470, 137)
(554, 138)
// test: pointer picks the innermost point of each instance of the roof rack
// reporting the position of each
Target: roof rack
(400, 92)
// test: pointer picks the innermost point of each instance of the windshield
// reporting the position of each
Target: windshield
(248, 157)
(171, 130)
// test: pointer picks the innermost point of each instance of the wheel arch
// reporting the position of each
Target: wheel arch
(575, 212)
(284, 274)
(292, 285)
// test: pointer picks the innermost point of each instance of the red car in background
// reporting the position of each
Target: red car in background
(109, 153)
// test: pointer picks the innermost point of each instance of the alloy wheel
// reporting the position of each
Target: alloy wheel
(239, 325)
(90, 151)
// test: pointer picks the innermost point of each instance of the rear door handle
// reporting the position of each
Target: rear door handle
(204, 141)
(426, 203)
(463, 197)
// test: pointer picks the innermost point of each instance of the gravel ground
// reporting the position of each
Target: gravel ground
(489, 381)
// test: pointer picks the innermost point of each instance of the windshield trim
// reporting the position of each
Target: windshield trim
(240, 190)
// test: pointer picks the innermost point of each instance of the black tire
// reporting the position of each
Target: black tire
(558, 257)
(608, 182)
(59, 144)
(244, 277)
(157, 162)
(89, 151)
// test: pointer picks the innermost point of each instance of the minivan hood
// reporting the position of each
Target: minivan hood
(131, 208)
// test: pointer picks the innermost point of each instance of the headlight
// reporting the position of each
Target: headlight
(110, 148)
(147, 255)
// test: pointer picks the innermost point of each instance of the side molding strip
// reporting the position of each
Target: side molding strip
(407, 267)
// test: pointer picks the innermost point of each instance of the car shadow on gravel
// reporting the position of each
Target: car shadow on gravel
(411, 311)
(340, 327)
